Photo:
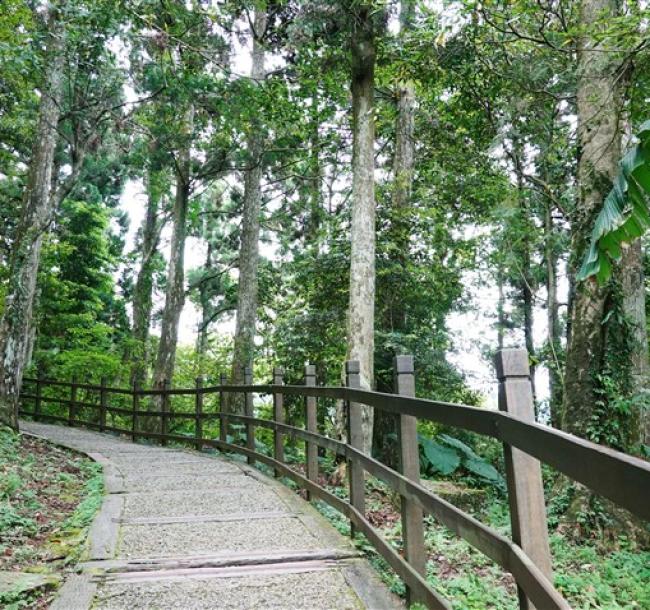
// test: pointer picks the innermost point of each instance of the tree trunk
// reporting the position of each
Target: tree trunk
(633, 287)
(15, 326)
(385, 424)
(312, 191)
(599, 104)
(527, 304)
(501, 308)
(552, 320)
(204, 299)
(246, 318)
(361, 314)
(175, 293)
(524, 283)
(143, 291)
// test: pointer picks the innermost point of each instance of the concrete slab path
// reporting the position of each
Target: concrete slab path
(187, 530)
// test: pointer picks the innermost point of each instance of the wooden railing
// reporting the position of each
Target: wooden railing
(623, 479)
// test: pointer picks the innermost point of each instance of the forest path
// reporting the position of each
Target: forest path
(183, 529)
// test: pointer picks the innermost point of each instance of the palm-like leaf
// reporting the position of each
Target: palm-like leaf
(625, 215)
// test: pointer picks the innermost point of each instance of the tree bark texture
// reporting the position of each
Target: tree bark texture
(16, 324)
(246, 317)
(361, 314)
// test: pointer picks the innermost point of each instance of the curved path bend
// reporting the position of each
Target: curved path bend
(186, 530)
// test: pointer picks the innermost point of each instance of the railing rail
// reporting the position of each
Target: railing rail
(621, 478)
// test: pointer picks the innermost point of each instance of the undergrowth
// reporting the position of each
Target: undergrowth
(589, 575)
(48, 498)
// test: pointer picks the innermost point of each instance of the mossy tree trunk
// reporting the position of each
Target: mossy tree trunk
(606, 355)
(16, 324)
(143, 290)
(361, 312)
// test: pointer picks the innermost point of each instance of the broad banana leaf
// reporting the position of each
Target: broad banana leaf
(625, 215)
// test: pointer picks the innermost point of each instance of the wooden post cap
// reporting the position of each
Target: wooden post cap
(403, 364)
(310, 370)
(352, 366)
(511, 363)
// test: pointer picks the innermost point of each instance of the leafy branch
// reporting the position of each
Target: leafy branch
(625, 215)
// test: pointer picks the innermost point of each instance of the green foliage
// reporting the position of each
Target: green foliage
(80, 318)
(624, 216)
(443, 459)
(449, 454)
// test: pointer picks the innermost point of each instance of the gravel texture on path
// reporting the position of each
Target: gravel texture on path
(190, 482)
(167, 540)
(170, 456)
(326, 590)
(179, 503)
(151, 483)
(165, 469)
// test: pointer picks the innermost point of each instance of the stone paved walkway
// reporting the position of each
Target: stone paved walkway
(181, 529)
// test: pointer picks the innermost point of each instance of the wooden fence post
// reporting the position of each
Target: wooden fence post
(135, 404)
(223, 419)
(355, 439)
(311, 423)
(198, 412)
(278, 416)
(102, 404)
(523, 472)
(409, 466)
(164, 411)
(37, 400)
(73, 399)
(249, 412)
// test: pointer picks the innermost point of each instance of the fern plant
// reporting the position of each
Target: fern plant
(625, 215)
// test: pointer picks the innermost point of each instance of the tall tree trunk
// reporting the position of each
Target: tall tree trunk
(312, 191)
(552, 319)
(599, 104)
(246, 319)
(527, 305)
(361, 314)
(204, 299)
(633, 287)
(15, 326)
(384, 427)
(143, 291)
(175, 293)
(525, 282)
(501, 308)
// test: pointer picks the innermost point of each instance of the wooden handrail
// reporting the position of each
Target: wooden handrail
(617, 476)
(622, 478)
